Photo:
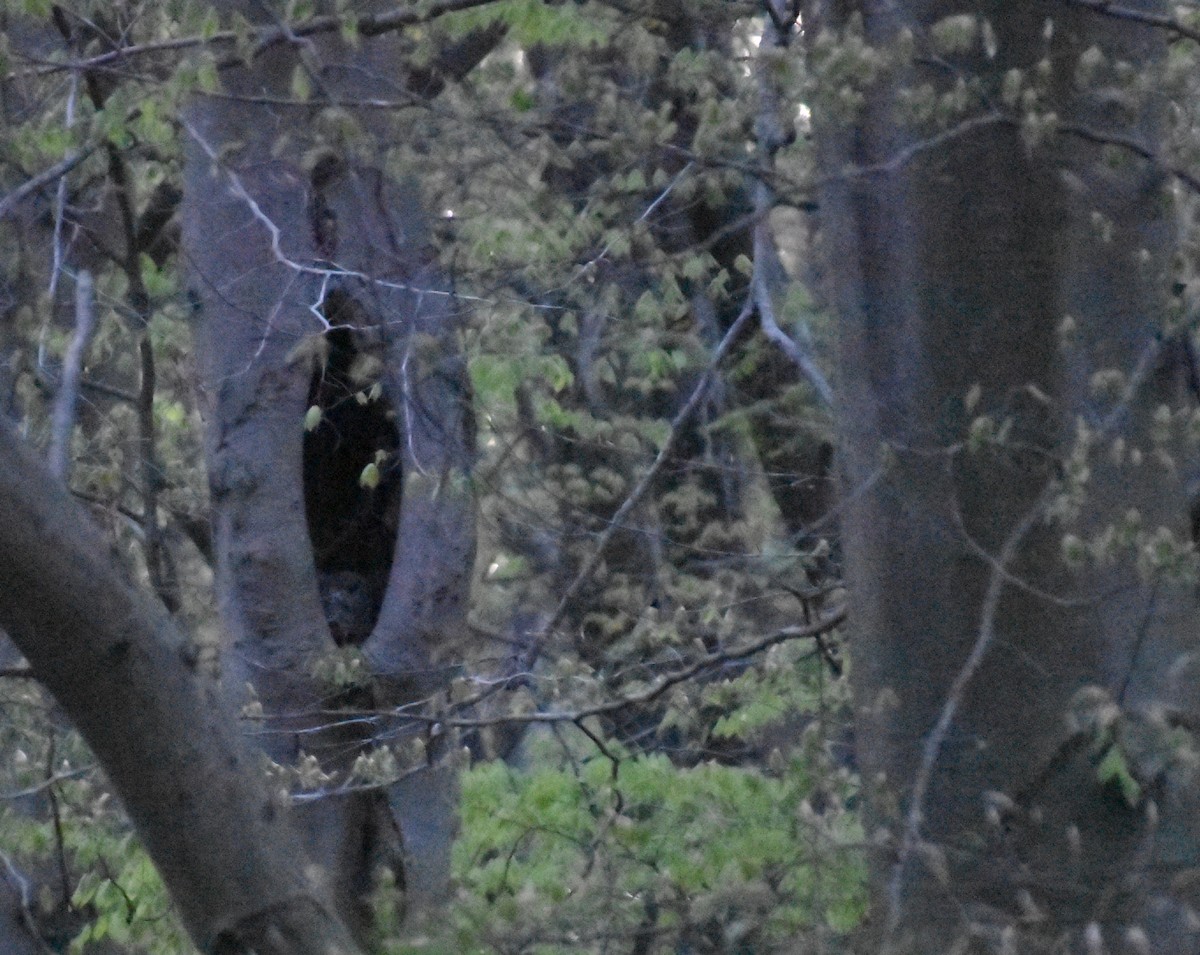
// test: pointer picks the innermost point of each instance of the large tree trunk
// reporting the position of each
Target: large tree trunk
(1020, 807)
(316, 283)
(133, 686)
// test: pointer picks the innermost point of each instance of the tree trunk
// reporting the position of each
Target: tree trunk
(134, 688)
(316, 291)
(1013, 715)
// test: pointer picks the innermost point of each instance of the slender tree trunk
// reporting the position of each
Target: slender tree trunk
(986, 274)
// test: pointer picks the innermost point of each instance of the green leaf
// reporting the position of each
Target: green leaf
(495, 378)
(369, 478)
(718, 288)
(955, 34)
(695, 267)
(301, 84)
(209, 25)
(1114, 771)
(207, 78)
(647, 308)
(558, 373)
(159, 283)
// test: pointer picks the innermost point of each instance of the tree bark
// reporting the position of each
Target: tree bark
(300, 248)
(991, 682)
(134, 688)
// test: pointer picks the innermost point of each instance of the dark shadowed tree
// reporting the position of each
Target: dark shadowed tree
(1015, 390)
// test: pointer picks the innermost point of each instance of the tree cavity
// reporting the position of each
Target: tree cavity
(352, 473)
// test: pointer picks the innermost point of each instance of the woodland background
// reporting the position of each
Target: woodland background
(515, 476)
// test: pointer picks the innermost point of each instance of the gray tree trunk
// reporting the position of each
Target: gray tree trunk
(132, 685)
(1018, 721)
(299, 250)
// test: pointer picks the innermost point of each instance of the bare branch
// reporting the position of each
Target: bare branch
(710, 661)
(62, 422)
(1159, 21)
(771, 136)
(911, 838)
(60, 206)
(1132, 145)
(912, 150)
(800, 357)
(276, 234)
(639, 491)
(267, 37)
(44, 178)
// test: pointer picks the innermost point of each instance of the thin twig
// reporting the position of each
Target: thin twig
(932, 749)
(276, 237)
(60, 842)
(828, 622)
(1159, 21)
(25, 895)
(117, 394)
(905, 155)
(998, 568)
(658, 200)
(160, 565)
(267, 37)
(49, 781)
(617, 521)
(43, 178)
(1130, 144)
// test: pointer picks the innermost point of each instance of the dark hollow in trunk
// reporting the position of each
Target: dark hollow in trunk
(352, 524)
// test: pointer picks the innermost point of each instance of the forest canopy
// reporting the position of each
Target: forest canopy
(520, 476)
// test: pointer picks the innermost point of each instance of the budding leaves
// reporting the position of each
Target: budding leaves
(301, 84)
(1114, 771)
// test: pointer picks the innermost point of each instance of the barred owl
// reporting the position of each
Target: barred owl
(349, 605)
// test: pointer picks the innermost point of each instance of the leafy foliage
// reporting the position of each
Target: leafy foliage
(591, 181)
(714, 852)
(719, 858)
